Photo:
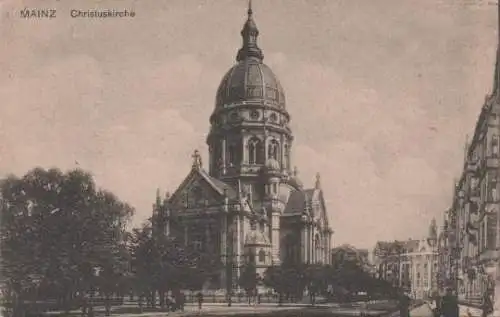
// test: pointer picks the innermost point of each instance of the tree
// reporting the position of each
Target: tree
(249, 279)
(275, 278)
(56, 229)
(286, 279)
(161, 264)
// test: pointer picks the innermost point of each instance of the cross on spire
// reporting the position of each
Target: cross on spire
(196, 159)
(249, 34)
(250, 12)
(318, 181)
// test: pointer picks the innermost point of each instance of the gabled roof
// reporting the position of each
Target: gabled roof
(217, 185)
(296, 202)
(299, 199)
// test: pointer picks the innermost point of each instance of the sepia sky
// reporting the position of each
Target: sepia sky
(381, 93)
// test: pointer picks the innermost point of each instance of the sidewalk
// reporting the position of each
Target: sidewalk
(466, 311)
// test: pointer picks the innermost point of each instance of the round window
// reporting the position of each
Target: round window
(254, 115)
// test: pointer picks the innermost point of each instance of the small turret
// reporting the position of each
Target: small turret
(317, 185)
(432, 236)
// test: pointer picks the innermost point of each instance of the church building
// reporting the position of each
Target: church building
(248, 203)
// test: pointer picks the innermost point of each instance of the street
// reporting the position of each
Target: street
(268, 310)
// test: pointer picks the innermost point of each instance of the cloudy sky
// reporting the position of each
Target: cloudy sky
(381, 93)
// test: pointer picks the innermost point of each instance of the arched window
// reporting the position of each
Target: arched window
(286, 155)
(494, 146)
(262, 256)
(316, 249)
(231, 155)
(251, 257)
(262, 227)
(255, 151)
(273, 150)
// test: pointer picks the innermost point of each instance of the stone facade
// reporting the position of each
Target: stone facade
(248, 204)
(471, 229)
(411, 264)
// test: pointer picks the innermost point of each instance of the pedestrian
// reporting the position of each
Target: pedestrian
(437, 305)
(182, 300)
(200, 300)
(449, 304)
(404, 305)
(487, 304)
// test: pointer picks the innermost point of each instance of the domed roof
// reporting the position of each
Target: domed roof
(294, 180)
(250, 79)
(256, 238)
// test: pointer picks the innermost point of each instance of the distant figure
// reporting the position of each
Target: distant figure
(449, 304)
(436, 310)
(487, 304)
(404, 305)
(182, 300)
(199, 296)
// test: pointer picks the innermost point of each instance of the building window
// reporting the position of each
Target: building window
(262, 227)
(255, 151)
(494, 146)
(251, 257)
(262, 256)
(254, 115)
(273, 150)
(273, 117)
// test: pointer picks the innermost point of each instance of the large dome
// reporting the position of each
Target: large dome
(249, 80)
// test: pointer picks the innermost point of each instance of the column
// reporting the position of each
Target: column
(282, 151)
(185, 234)
(223, 153)
(496, 298)
(303, 244)
(244, 154)
(208, 243)
(238, 241)
(275, 240)
(429, 272)
(266, 144)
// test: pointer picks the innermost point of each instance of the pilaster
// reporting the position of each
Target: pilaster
(495, 274)
(223, 153)
(275, 237)
(303, 244)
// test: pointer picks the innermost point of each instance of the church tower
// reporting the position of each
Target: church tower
(250, 140)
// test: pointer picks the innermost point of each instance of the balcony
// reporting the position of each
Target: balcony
(472, 166)
(493, 162)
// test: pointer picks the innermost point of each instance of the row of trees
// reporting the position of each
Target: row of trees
(340, 281)
(64, 239)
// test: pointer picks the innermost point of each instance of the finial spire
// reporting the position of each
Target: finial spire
(318, 181)
(196, 160)
(249, 34)
(496, 79)
(432, 237)
(250, 12)
(158, 199)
